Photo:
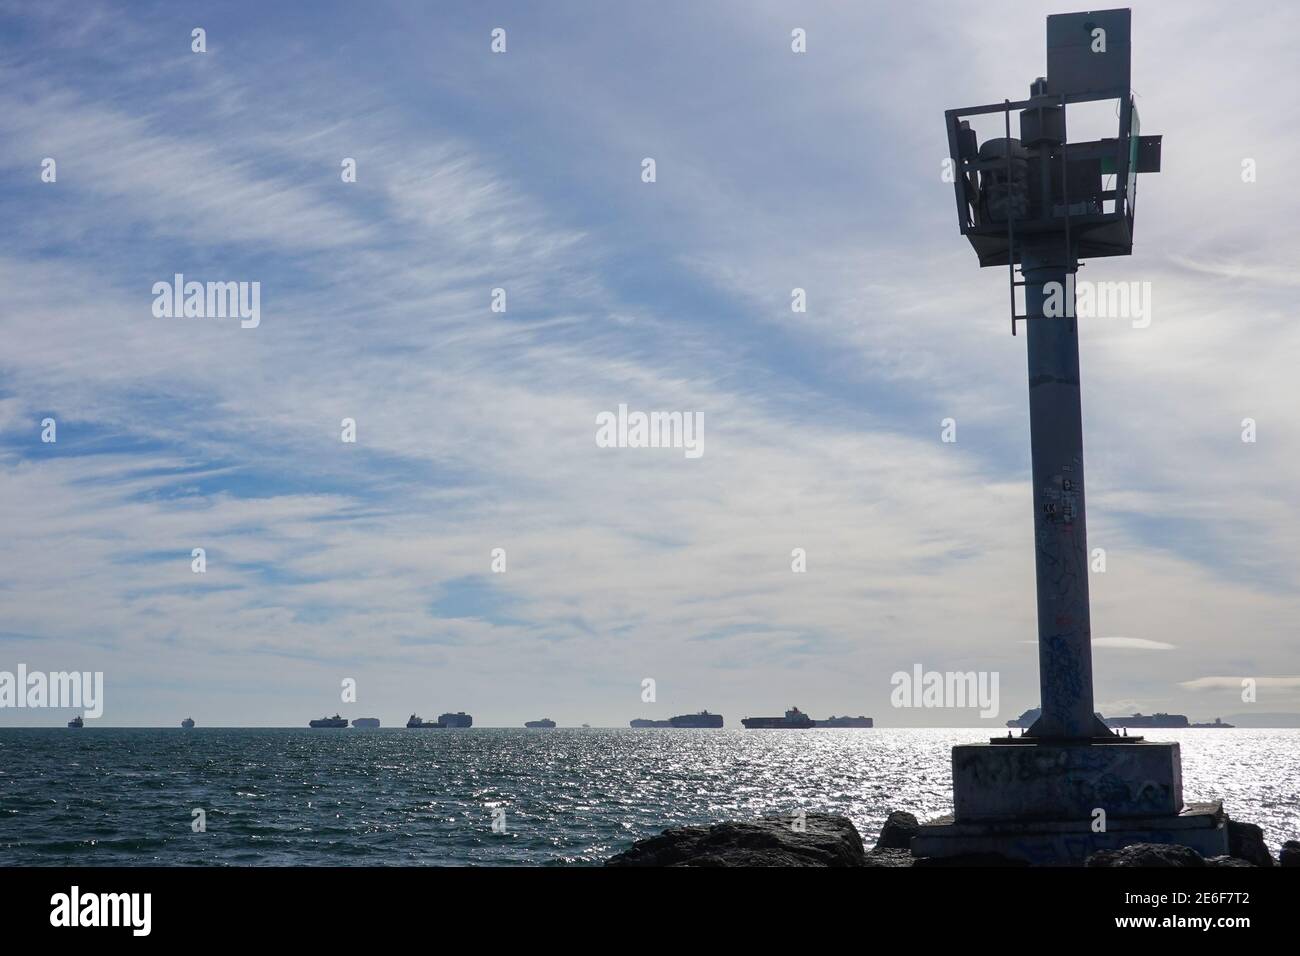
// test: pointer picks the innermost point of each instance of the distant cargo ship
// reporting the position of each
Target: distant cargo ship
(834, 721)
(1027, 718)
(794, 719)
(702, 719)
(417, 723)
(545, 722)
(1147, 720)
(76, 722)
(188, 723)
(366, 723)
(1135, 720)
(335, 721)
(458, 719)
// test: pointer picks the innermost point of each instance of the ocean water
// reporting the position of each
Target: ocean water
(570, 797)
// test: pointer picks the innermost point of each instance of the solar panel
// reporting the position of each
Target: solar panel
(1088, 52)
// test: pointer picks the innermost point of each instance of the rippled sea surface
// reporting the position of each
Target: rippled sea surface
(337, 797)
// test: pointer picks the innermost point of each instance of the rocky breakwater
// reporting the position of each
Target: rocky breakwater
(820, 839)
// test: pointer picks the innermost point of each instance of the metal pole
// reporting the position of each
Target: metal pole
(1060, 532)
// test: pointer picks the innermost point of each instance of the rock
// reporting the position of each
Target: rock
(885, 856)
(825, 840)
(828, 840)
(1246, 842)
(1147, 854)
(900, 826)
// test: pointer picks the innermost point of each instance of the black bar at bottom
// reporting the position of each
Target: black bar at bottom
(570, 904)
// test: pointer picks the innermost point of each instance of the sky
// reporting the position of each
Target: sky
(372, 560)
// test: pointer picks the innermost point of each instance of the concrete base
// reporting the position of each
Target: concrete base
(1028, 780)
(1202, 826)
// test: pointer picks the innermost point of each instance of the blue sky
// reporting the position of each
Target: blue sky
(521, 170)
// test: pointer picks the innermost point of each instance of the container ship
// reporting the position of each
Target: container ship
(834, 721)
(458, 719)
(794, 719)
(335, 721)
(703, 719)
(366, 723)
(1135, 720)
(188, 723)
(1026, 719)
(545, 722)
(1147, 720)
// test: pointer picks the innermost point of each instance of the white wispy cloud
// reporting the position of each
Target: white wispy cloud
(1133, 643)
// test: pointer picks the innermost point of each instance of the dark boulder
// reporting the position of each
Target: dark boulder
(1147, 854)
(1246, 842)
(900, 826)
(1290, 855)
(885, 856)
(823, 840)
